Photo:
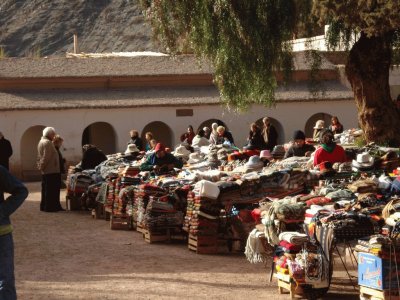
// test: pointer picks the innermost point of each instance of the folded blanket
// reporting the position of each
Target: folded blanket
(293, 237)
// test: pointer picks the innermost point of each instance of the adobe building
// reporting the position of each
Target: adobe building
(99, 100)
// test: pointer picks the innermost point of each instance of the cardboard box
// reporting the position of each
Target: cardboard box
(374, 272)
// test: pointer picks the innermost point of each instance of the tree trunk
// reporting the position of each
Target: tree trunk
(367, 70)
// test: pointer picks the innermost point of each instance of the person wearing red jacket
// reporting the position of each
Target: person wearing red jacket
(329, 151)
(188, 135)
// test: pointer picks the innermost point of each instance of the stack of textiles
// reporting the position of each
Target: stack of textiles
(130, 171)
(202, 216)
(189, 211)
(290, 244)
(78, 183)
(142, 198)
(110, 194)
(347, 225)
(378, 245)
(124, 195)
(280, 216)
(161, 214)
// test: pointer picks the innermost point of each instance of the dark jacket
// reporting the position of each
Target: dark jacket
(92, 158)
(188, 137)
(5, 152)
(62, 161)
(138, 142)
(256, 140)
(11, 185)
(299, 151)
(153, 160)
(270, 136)
(336, 129)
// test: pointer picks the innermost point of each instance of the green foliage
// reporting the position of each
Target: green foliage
(360, 142)
(248, 42)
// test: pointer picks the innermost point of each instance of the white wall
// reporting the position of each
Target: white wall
(71, 123)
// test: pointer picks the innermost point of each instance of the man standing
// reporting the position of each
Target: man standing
(18, 193)
(49, 166)
(269, 134)
(5, 151)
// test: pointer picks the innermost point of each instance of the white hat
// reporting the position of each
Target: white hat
(181, 151)
(194, 158)
(364, 160)
(131, 149)
(320, 124)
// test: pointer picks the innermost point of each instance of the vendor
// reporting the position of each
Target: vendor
(200, 140)
(135, 139)
(329, 151)
(224, 135)
(160, 161)
(188, 135)
(148, 136)
(319, 126)
(299, 147)
(255, 139)
(336, 127)
(92, 157)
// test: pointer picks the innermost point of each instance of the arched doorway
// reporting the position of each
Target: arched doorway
(309, 128)
(209, 122)
(161, 132)
(102, 135)
(278, 126)
(29, 142)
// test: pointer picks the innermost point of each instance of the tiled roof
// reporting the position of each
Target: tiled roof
(61, 99)
(54, 67)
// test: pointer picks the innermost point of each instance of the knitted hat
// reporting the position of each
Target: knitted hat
(299, 135)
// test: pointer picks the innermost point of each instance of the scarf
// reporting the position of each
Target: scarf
(329, 147)
(255, 251)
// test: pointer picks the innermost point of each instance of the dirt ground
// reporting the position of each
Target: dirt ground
(69, 255)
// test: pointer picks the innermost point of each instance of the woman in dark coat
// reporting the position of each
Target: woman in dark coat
(92, 157)
(255, 139)
(57, 141)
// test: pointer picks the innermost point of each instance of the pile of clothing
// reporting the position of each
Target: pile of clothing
(202, 216)
(141, 201)
(161, 214)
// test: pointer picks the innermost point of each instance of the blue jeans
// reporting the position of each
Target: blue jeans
(7, 279)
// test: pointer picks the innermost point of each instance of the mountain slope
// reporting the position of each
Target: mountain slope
(46, 27)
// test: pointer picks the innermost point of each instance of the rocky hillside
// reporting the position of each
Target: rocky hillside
(46, 27)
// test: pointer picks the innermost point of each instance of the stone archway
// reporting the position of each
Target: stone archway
(102, 135)
(161, 133)
(29, 142)
(309, 127)
(278, 126)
